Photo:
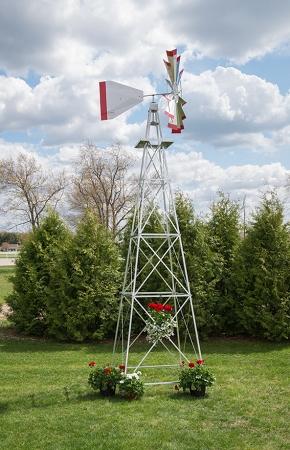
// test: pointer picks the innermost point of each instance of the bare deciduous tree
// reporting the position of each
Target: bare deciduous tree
(103, 184)
(28, 189)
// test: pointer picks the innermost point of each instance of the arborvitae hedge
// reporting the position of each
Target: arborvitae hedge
(85, 277)
(203, 265)
(224, 237)
(262, 275)
(66, 284)
(32, 277)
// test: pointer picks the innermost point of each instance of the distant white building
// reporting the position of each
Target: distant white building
(6, 247)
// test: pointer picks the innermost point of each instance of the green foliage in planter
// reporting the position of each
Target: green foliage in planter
(82, 301)
(32, 275)
(103, 378)
(131, 387)
(195, 377)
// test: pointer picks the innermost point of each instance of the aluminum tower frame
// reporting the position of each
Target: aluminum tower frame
(155, 255)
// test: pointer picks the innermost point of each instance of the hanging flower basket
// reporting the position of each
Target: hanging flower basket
(163, 324)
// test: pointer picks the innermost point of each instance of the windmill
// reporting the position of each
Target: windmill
(156, 302)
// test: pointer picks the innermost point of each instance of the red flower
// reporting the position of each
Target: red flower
(92, 364)
(152, 305)
(158, 307)
(167, 308)
(122, 366)
(200, 362)
(107, 370)
(191, 365)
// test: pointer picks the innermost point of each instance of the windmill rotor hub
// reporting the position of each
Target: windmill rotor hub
(153, 106)
(176, 90)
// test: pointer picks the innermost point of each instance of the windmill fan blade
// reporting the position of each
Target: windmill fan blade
(171, 109)
(175, 103)
(180, 104)
(116, 98)
(170, 70)
(171, 64)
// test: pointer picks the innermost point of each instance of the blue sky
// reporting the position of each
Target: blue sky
(236, 58)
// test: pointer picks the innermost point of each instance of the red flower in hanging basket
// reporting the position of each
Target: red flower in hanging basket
(122, 366)
(200, 362)
(107, 370)
(158, 307)
(191, 365)
(152, 305)
(92, 363)
(167, 308)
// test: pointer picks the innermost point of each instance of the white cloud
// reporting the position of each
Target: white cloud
(76, 43)
(79, 37)
(235, 30)
(82, 36)
(227, 107)
(201, 179)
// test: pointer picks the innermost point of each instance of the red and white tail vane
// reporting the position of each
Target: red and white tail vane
(175, 103)
(116, 98)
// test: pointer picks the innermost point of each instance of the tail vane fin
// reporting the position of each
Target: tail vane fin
(116, 98)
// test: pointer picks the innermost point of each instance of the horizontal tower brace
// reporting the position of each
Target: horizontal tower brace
(161, 382)
(154, 366)
(155, 235)
(153, 294)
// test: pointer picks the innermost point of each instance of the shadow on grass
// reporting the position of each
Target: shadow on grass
(210, 348)
(13, 342)
(43, 400)
(4, 406)
(185, 396)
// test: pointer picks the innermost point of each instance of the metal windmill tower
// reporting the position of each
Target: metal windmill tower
(155, 266)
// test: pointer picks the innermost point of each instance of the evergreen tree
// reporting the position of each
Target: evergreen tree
(29, 297)
(263, 274)
(84, 281)
(202, 264)
(225, 239)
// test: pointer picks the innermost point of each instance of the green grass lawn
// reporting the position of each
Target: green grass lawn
(5, 284)
(248, 408)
